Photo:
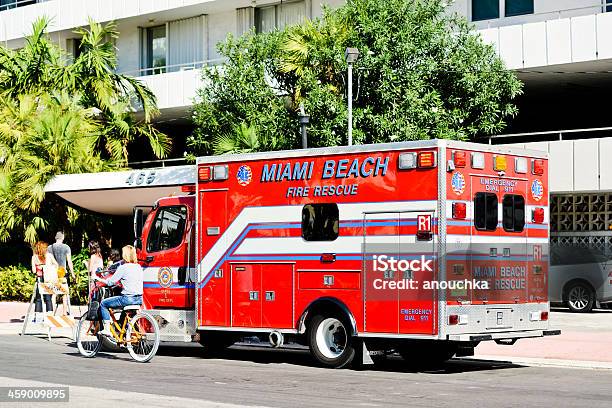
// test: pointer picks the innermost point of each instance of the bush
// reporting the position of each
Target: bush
(16, 283)
(79, 290)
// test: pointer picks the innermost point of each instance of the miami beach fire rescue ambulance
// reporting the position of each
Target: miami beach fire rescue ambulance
(423, 248)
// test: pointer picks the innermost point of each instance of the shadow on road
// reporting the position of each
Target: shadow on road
(301, 357)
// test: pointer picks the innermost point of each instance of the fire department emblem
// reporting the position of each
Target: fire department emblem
(458, 183)
(244, 175)
(537, 190)
(164, 277)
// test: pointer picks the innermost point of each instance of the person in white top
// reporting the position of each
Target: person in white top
(95, 263)
(130, 276)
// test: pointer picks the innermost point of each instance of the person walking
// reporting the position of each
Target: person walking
(62, 255)
(95, 263)
(39, 260)
(130, 276)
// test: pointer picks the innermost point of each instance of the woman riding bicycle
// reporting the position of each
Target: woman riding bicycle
(130, 276)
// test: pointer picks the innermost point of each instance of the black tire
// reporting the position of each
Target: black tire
(427, 354)
(110, 346)
(215, 343)
(580, 297)
(330, 341)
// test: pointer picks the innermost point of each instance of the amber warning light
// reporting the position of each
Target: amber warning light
(426, 160)
(204, 173)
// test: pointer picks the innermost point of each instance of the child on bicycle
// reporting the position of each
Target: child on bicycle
(130, 276)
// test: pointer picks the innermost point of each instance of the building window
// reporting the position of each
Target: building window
(485, 9)
(518, 7)
(9, 4)
(279, 16)
(154, 50)
(513, 211)
(485, 211)
(320, 222)
(73, 46)
(167, 229)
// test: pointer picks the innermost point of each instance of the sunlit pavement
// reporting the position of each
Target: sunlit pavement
(181, 375)
(585, 337)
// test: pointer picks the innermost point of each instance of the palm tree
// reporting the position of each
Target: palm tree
(315, 48)
(41, 67)
(42, 136)
(243, 139)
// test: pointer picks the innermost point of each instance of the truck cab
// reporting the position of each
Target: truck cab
(165, 251)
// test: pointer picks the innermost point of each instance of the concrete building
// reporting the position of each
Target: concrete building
(561, 49)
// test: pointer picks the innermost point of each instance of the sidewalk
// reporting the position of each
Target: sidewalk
(12, 315)
(585, 340)
(14, 312)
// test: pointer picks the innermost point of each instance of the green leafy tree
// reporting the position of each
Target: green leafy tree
(423, 73)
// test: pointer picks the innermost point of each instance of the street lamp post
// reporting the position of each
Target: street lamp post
(304, 120)
(352, 54)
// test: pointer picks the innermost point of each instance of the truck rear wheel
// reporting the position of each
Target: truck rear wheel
(330, 341)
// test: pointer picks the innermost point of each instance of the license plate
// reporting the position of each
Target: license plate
(499, 318)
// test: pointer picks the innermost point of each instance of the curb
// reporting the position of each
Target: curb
(545, 362)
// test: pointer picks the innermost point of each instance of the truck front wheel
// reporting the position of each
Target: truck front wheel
(330, 341)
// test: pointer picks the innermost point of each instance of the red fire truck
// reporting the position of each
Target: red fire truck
(423, 248)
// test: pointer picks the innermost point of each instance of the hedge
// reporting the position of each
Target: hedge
(17, 282)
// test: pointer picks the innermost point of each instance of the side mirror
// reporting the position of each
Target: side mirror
(139, 220)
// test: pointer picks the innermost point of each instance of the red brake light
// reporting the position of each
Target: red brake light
(537, 167)
(204, 173)
(453, 320)
(459, 211)
(544, 316)
(426, 160)
(459, 158)
(538, 215)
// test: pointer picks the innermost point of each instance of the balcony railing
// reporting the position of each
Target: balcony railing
(6, 5)
(187, 66)
(605, 6)
(551, 135)
(148, 164)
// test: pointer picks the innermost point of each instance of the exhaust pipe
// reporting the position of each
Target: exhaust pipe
(276, 339)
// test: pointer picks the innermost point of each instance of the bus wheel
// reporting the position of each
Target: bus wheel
(330, 341)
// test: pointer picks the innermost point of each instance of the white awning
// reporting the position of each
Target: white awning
(117, 193)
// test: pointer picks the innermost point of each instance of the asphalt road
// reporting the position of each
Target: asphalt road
(181, 375)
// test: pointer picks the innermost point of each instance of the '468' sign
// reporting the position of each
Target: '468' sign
(137, 178)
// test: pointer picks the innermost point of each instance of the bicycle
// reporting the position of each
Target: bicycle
(135, 330)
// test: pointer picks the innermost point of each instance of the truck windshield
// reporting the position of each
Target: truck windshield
(167, 229)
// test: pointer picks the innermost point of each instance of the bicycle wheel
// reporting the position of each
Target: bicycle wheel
(142, 337)
(87, 339)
